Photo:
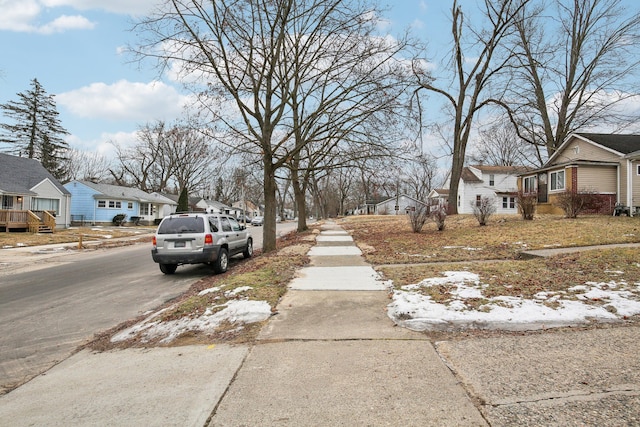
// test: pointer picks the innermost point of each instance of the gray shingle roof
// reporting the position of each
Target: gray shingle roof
(18, 175)
(118, 192)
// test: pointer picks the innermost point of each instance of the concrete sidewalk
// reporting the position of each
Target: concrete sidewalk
(333, 357)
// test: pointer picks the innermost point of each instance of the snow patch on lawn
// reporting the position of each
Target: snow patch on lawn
(608, 301)
(235, 312)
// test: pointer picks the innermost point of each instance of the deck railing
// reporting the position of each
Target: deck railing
(13, 219)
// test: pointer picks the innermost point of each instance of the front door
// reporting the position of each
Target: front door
(542, 188)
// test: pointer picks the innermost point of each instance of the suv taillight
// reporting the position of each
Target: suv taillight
(208, 239)
(155, 243)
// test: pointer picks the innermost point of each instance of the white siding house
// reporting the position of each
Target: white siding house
(400, 205)
(499, 183)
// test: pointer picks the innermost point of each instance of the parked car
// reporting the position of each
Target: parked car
(258, 220)
(199, 238)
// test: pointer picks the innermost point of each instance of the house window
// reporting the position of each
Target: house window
(7, 202)
(508, 202)
(492, 180)
(102, 203)
(638, 171)
(38, 204)
(557, 180)
(129, 205)
(115, 204)
(478, 200)
(144, 209)
(529, 184)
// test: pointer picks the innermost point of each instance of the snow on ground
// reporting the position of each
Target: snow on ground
(418, 312)
(239, 312)
(604, 301)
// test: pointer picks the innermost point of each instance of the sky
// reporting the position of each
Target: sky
(76, 50)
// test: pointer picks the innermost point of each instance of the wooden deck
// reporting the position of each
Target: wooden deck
(32, 221)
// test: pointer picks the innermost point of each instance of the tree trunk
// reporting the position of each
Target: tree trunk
(299, 196)
(269, 226)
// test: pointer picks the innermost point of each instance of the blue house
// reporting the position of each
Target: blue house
(95, 203)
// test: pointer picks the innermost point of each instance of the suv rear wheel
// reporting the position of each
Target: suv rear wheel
(168, 268)
(222, 263)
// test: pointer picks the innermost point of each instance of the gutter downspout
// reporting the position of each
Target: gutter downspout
(630, 186)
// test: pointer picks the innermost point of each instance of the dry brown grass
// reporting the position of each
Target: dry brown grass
(70, 235)
(389, 239)
(492, 252)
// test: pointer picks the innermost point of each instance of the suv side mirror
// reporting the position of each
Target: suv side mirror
(242, 227)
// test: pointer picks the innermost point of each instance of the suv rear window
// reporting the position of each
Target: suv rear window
(182, 225)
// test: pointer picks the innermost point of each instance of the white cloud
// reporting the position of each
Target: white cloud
(417, 24)
(125, 7)
(28, 15)
(103, 144)
(18, 14)
(124, 100)
(23, 16)
(64, 23)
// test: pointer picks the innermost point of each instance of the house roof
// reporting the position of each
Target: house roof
(622, 143)
(18, 175)
(118, 192)
(157, 197)
(501, 169)
(215, 204)
(468, 175)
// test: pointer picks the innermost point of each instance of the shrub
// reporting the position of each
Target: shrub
(527, 204)
(483, 209)
(574, 202)
(418, 217)
(439, 215)
(119, 219)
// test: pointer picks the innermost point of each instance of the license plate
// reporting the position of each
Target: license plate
(178, 244)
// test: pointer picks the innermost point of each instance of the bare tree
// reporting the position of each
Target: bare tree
(246, 59)
(473, 73)
(572, 69)
(88, 166)
(146, 165)
(166, 158)
(347, 85)
(192, 156)
(420, 176)
(499, 145)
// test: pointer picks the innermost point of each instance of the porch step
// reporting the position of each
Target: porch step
(44, 229)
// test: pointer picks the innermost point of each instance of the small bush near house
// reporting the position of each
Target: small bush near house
(527, 205)
(418, 217)
(574, 202)
(483, 209)
(439, 215)
(119, 219)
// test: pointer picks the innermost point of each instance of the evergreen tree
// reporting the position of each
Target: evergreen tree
(36, 131)
(183, 201)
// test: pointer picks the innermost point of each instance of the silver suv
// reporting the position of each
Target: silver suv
(196, 238)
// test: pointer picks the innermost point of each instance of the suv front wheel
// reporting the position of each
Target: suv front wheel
(222, 263)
